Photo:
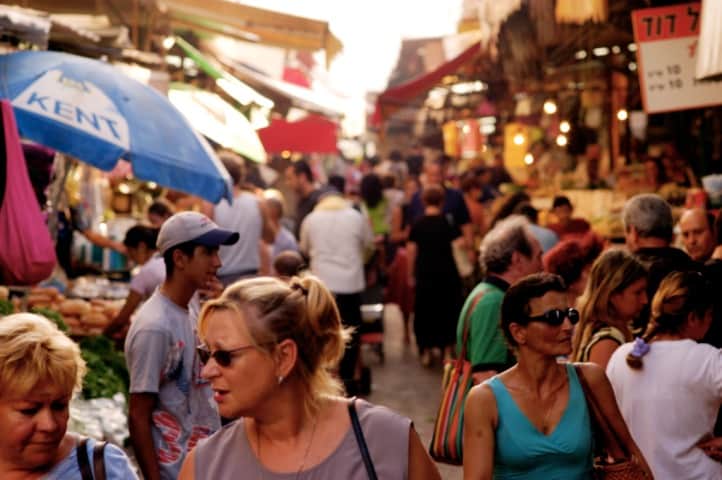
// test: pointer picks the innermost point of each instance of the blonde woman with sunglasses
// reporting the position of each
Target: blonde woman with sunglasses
(268, 349)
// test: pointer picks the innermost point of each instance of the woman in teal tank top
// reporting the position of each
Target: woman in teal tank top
(531, 421)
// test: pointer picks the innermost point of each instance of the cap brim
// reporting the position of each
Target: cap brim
(217, 237)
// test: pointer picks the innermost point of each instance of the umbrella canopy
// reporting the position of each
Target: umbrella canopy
(218, 120)
(92, 111)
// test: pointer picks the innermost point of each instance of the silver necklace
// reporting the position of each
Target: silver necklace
(305, 455)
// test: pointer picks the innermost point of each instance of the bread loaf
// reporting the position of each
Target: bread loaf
(94, 319)
(49, 291)
(39, 300)
(74, 307)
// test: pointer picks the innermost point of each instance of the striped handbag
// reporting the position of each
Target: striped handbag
(446, 443)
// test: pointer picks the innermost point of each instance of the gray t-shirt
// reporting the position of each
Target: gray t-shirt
(228, 455)
(161, 357)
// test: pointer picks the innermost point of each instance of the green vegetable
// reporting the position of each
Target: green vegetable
(6, 308)
(53, 316)
(107, 372)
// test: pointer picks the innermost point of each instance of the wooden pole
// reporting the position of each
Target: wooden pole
(136, 22)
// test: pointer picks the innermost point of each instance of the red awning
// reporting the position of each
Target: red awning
(396, 97)
(312, 134)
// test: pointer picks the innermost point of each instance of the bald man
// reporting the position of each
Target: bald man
(697, 227)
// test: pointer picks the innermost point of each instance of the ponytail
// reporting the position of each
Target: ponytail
(322, 321)
(679, 295)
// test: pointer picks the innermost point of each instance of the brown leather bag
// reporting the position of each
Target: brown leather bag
(623, 466)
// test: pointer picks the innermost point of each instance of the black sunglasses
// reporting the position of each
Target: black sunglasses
(222, 357)
(556, 316)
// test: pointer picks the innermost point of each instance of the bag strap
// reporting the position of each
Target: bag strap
(81, 452)
(611, 436)
(98, 460)
(368, 463)
(467, 329)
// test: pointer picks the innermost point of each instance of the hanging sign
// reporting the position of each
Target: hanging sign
(667, 38)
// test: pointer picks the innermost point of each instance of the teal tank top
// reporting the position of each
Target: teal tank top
(523, 452)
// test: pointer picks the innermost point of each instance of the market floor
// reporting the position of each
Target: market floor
(403, 385)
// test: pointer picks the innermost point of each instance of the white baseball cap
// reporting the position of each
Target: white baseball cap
(192, 226)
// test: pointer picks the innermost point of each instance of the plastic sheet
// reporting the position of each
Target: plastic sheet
(709, 49)
(100, 418)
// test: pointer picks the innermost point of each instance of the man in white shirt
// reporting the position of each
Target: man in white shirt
(335, 237)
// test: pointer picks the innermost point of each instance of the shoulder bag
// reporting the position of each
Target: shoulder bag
(607, 439)
(368, 463)
(84, 463)
(446, 442)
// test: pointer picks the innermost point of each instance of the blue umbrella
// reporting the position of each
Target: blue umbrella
(92, 111)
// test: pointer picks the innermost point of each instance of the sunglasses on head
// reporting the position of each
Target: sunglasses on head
(222, 357)
(556, 316)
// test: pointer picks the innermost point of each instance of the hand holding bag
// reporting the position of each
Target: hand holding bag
(446, 443)
(625, 468)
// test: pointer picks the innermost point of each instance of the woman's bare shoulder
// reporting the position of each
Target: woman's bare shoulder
(481, 401)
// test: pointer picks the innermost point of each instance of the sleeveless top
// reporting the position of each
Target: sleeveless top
(227, 454)
(243, 216)
(604, 333)
(523, 452)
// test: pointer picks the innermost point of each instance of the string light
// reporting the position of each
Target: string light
(564, 127)
(528, 158)
(622, 114)
(561, 140)
(519, 139)
(550, 108)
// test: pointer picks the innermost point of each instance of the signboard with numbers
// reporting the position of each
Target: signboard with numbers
(667, 46)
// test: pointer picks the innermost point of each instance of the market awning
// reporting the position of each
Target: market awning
(27, 25)
(218, 120)
(313, 134)
(284, 92)
(394, 98)
(236, 89)
(254, 24)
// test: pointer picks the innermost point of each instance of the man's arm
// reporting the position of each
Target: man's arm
(207, 209)
(487, 348)
(304, 244)
(140, 413)
(123, 318)
(104, 242)
(268, 228)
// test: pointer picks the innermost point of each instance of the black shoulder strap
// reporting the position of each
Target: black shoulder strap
(98, 460)
(83, 462)
(360, 440)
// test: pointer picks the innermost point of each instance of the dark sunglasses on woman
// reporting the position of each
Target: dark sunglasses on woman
(222, 357)
(556, 316)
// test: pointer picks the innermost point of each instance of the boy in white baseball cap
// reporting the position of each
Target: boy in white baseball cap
(171, 407)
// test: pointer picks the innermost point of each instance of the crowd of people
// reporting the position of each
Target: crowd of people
(242, 334)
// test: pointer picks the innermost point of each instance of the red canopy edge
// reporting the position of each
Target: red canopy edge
(391, 99)
(312, 134)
